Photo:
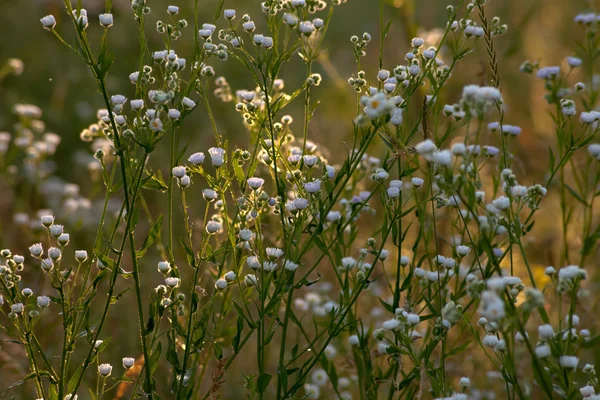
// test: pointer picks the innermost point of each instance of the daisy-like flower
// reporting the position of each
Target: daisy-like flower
(376, 105)
(217, 156)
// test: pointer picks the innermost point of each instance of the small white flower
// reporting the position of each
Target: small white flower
(48, 22)
(520, 338)
(414, 70)
(333, 216)
(330, 171)
(184, 182)
(249, 26)
(396, 183)
(213, 227)
(253, 262)
(543, 351)
(429, 53)
(47, 264)
(36, 250)
(545, 331)
(490, 341)
(179, 172)
(569, 362)
(383, 74)
(491, 151)
(156, 125)
(313, 187)
(300, 203)
(56, 230)
(106, 20)
(463, 250)
(310, 161)
(376, 105)
(290, 265)
(255, 183)
(118, 99)
(258, 39)
(393, 192)
(319, 377)
(188, 103)
(245, 235)
(587, 391)
(137, 104)
(250, 280)
(476, 31)
(273, 252)
(380, 175)
(267, 42)
(574, 62)
(397, 117)
(501, 203)
(443, 158)
(47, 220)
(172, 282)
(164, 267)
(571, 272)
(459, 149)
(589, 117)
(174, 113)
(417, 42)
(425, 147)
(205, 33)
(128, 362)
(500, 346)
(104, 370)
(229, 14)
(518, 191)
(348, 262)
(548, 72)
(391, 325)
(413, 319)
(496, 283)
(384, 254)
(217, 155)
(196, 158)
(230, 276)
(417, 182)
(269, 266)
(491, 306)
(306, 27)
(17, 308)
(221, 284)
(172, 10)
(312, 391)
(594, 150)
(210, 194)
(572, 320)
(43, 301)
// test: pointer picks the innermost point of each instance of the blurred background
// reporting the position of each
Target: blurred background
(56, 80)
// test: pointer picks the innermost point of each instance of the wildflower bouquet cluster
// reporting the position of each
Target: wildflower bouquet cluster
(292, 271)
